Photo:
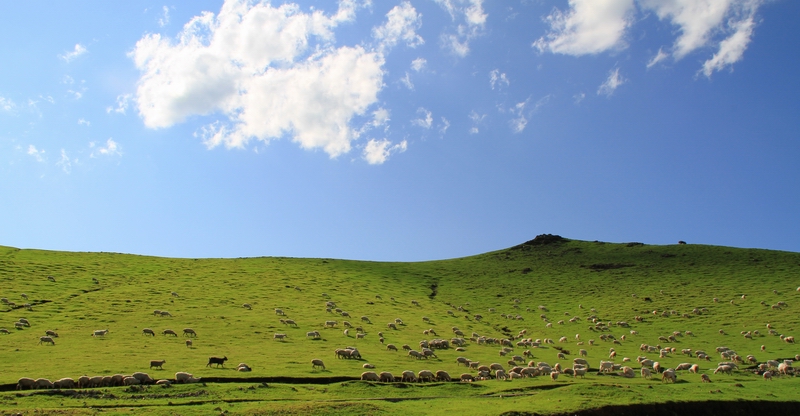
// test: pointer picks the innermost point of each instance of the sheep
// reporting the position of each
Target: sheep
(669, 375)
(64, 383)
(368, 365)
(165, 313)
(100, 333)
(416, 354)
(279, 312)
(169, 332)
(606, 366)
(24, 321)
(330, 324)
(683, 366)
(130, 381)
(243, 367)
(554, 375)
(627, 372)
(157, 363)
(183, 377)
(313, 334)
(189, 332)
(724, 369)
(408, 376)
(47, 339)
(26, 383)
(391, 325)
(386, 377)
(705, 378)
(280, 336)
(143, 378)
(216, 360)
(247, 306)
(51, 278)
(317, 363)
(43, 383)
(148, 331)
(767, 375)
(579, 372)
(4, 331)
(164, 383)
(188, 343)
(391, 347)
(157, 312)
(366, 319)
(346, 332)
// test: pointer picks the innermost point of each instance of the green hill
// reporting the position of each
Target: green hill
(523, 288)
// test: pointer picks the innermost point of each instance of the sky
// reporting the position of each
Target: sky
(404, 130)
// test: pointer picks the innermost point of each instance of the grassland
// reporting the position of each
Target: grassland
(568, 278)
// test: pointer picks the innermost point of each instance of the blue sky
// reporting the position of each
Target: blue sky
(397, 130)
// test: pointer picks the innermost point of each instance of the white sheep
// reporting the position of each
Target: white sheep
(279, 312)
(386, 377)
(280, 336)
(47, 339)
(100, 333)
(188, 343)
(183, 377)
(26, 383)
(370, 376)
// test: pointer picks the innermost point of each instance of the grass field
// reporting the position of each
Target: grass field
(568, 278)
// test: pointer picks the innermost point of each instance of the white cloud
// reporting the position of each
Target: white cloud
(36, 153)
(110, 149)
(426, 121)
(496, 78)
(77, 95)
(444, 126)
(377, 152)
(418, 64)
(67, 80)
(6, 104)
(613, 82)
(406, 80)
(477, 119)
(64, 162)
(579, 97)
(48, 98)
(83, 122)
(589, 27)
(402, 22)
(123, 101)
(78, 51)
(164, 19)
(660, 56)
(520, 121)
(731, 49)
(474, 17)
(253, 63)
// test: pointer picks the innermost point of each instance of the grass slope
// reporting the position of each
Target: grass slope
(560, 276)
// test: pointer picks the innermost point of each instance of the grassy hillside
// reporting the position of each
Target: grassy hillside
(614, 282)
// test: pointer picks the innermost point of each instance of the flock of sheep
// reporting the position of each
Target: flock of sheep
(519, 365)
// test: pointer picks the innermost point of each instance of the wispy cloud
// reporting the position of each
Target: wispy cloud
(123, 102)
(498, 79)
(474, 19)
(426, 119)
(164, 19)
(64, 163)
(111, 148)
(36, 153)
(76, 52)
(444, 126)
(418, 64)
(377, 152)
(613, 82)
(406, 80)
(6, 104)
(83, 122)
(660, 56)
(477, 120)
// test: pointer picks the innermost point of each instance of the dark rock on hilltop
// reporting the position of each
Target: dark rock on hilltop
(543, 240)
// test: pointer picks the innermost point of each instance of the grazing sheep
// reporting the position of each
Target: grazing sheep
(64, 383)
(370, 376)
(130, 381)
(169, 332)
(189, 332)
(24, 321)
(391, 325)
(26, 383)
(143, 378)
(100, 333)
(386, 377)
(165, 313)
(669, 375)
(279, 312)
(217, 360)
(4, 331)
(46, 339)
(247, 306)
(391, 347)
(683, 366)
(148, 331)
(317, 363)
(330, 324)
(51, 278)
(183, 377)
(416, 354)
(646, 372)
(243, 367)
(442, 375)
(313, 334)
(164, 383)
(157, 363)
(188, 343)
(724, 369)
(43, 383)
(767, 375)
(408, 376)
(280, 336)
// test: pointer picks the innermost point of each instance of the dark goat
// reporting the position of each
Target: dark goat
(216, 360)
